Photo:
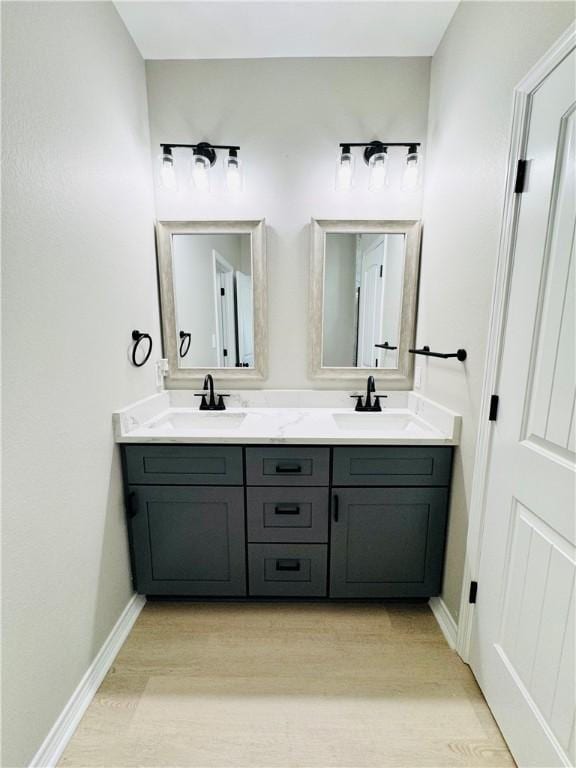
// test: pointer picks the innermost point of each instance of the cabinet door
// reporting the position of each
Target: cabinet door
(188, 541)
(387, 542)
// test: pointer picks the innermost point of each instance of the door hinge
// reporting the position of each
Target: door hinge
(493, 413)
(521, 173)
(381, 270)
(224, 353)
(473, 592)
(222, 292)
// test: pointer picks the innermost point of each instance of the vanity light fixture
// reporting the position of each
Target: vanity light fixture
(377, 160)
(233, 170)
(344, 168)
(204, 157)
(167, 172)
(376, 155)
(412, 169)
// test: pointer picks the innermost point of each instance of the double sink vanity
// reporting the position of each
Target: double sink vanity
(288, 494)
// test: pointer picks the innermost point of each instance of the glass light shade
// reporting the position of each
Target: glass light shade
(344, 171)
(378, 169)
(233, 173)
(201, 172)
(412, 172)
(167, 171)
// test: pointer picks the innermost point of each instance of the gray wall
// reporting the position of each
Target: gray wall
(487, 49)
(78, 276)
(289, 116)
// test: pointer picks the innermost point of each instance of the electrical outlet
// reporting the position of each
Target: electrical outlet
(418, 377)
(161, 371)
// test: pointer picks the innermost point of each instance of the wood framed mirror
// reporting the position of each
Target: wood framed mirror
(363, 299)
(213, 298)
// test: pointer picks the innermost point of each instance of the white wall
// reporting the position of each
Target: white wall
(79, 275)
(487, 49)
(339, 316)
(289, 116)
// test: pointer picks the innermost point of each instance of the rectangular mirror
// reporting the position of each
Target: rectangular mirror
(213, 298)
(364, 278)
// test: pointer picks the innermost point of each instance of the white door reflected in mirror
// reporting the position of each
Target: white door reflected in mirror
(213, 292)
(363, 285)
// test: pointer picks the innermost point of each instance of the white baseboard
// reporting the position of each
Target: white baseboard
(63, 729)
(445, 621)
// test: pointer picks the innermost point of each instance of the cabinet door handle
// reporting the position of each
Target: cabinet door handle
(288, 468)
(132, 503)
(286, 510)
(336, 507)
(287, 565)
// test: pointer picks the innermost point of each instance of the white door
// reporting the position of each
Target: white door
(244, 303)
(224, 311)
(371, 302)
(523, 635)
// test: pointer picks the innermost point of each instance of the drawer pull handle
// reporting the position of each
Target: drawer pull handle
(287, 565)
(286, 510)
(336, 507)
(289, 468)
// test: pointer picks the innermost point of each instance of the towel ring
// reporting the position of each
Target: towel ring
(137, 336)
(184, 347)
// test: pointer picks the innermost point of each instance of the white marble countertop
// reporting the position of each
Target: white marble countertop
(287, 416)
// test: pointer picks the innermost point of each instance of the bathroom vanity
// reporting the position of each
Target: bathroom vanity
(294, 494)
(287, 502)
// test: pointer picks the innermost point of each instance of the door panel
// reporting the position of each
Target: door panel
(371, 301)
(287, 514)
(523, 643)
(183, 464)
(392, 465)
(287, 570)
(287, 465)
(189, 541)
(387, 542)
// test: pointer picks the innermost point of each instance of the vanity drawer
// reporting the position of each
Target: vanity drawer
(287, 514)
(296, 465)
(183, 465)
(287, 570)
(392, 465)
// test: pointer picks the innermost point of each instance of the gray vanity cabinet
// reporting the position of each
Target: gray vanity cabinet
(287, 521)
(188, 540)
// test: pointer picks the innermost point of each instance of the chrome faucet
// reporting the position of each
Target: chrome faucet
(211, 404)
(369, 404)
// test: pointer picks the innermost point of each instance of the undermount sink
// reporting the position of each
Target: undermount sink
(377, 422)
(186, 420)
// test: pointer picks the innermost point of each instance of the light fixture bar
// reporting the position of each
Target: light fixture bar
(204, 156)
(200, 144)
(377, 141)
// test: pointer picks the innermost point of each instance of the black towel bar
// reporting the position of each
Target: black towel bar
(460, 354)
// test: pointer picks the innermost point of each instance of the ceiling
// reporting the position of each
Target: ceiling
(241, 29)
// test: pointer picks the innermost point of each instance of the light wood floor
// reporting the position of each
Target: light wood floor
(300, 685)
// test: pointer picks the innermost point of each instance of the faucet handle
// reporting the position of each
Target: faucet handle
(221, 406)
(358, 399)
(203, 403)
